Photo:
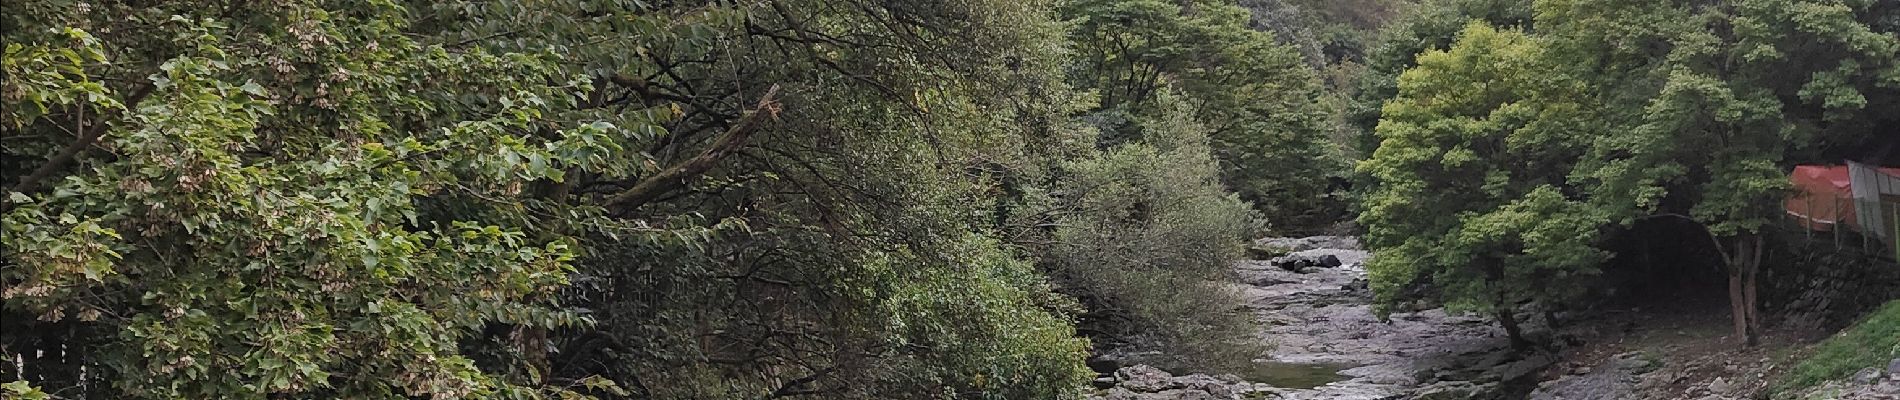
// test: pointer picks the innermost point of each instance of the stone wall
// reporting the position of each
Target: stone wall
(1813, 285)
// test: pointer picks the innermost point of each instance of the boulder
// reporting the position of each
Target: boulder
(1103, 365)
(1893, 369)
(1329, 261)
(1866, 376)
(1145, 379)
(1722, 386)
(1300, 263)
(1218, 388)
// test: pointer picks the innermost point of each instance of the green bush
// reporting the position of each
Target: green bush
(1145, 235)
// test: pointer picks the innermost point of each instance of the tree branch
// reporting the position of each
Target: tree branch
(677, 176)
(86, 138)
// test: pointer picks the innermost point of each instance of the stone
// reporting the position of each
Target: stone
(1266, 252)
(1866, 376)
(1329, 261)
(1301, 262)
(1216, 387)
(1104, 382)
(1636, 362)
(1144, 378)
(1103, 365)
(1722, 386)
(1452, 391)
(1893, 369)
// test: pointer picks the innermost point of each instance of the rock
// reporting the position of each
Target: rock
(1636, 362)
(1266, 252)
(1103, 382)
(1893, 369)
(1299, 263)
(1517, 369)
(1103, 365)
(1866, 376)
(1213, 386)
(1329, 261)
(1312, 242)
(1146, 379)
(1453, 390)
(1722, 386)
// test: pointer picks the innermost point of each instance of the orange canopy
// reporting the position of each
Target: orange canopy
(1824, 196)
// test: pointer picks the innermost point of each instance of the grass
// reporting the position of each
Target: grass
(1872, 342)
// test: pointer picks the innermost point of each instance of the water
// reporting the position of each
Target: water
(1293, 375)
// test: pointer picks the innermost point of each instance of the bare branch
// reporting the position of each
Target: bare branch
(676, 177)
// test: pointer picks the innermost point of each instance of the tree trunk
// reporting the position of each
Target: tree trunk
(1744, 262)
(1737, 312)
(1504, 308)
(1509, 320)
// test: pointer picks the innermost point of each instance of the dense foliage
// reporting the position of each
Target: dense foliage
(1472, 179)
(1618, 111)
(1143, 233)
(1262, 107)
(844, 199)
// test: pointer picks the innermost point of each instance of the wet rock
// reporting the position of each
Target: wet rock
(1324, 316)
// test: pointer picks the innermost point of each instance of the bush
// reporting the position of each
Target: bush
(1145, 235)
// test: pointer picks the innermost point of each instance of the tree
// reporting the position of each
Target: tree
(1260, 102)
(1145, 235)
(1472, 197)
(421, 199)
(1701, 108)
(1430, 25)
(1742, 85)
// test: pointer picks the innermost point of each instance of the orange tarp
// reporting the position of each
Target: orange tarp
(1824, 196)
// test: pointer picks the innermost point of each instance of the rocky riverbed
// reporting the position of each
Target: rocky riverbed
(1321, 324)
